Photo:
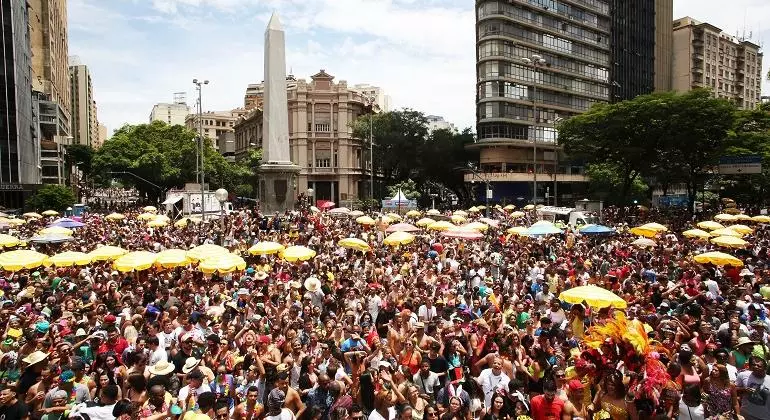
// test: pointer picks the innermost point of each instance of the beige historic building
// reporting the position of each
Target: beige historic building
(333, 163)
(215, 123)
(706, 56)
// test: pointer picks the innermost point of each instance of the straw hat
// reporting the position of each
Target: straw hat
(162, 368)
(35, 358)
(312, 284)
(190, 364)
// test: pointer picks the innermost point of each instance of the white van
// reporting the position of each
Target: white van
(566, 215)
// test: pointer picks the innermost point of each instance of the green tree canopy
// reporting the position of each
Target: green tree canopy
(408, 187)
(51, 197)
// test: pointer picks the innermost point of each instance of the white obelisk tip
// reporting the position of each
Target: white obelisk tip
(275, 23)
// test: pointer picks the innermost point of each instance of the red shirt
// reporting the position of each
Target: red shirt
(544, 410)
(117, 347)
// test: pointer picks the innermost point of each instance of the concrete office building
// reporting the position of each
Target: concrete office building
(51, 82)
(664, 44)
(20, 157)
(173, 113)
(85, 126)
(215, 123)
(102, 136)
(436, 122)
(333, 163)
(380, 98)
(537, 62)
(706, 56)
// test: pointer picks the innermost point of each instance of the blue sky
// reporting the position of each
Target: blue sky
(420, 51)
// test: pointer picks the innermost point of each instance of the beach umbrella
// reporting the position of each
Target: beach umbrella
(742, 217)
(402, 227)
(7, 241)
(517, 214)
(51, 238)
(425, 221)
(222, 264)
(356, 213)
(541, 228)
(32, 215)
(491, 222)
(462, 234)
(724, 217)
(710, 225)
(657, 227)
(440, 225)
(647, 233)
(460, 213)
(67, 223)
(55, 229)
(68, 259)
(742, 229)
(432, 212)
(509, 207)
(594, 296)
(718, 258)
(761, 219)
(365, 220)
(696, 233)
(314, 209)
(115, 216)
(172, 258)
(150, 209)
(726, 232)
(596, 230)
(473, 209)
(413, 213)
(643, 242)
(354, 243)
(729, 242)
(529, 207)
(21, 259)
(477, 226)
(50, 213)
(266, 248)
(398, 238)
(517, 230)
(12, 222)
(395, 216)
(107, 253)
(340, 210)
(458, 219)
(157, 223)
(202, 252)
(298, 253)
(135, 261)
(146, 216)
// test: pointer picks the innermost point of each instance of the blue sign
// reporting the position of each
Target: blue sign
(739, 160)
(740, 165)
(673, 201)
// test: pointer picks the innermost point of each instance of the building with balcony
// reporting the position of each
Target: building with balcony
(704, 56)
(332, 162)
(85, 126)
(214, 123)
(436, 122)
(537, 62)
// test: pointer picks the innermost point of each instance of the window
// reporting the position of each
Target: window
(323, 163)
(323, 127)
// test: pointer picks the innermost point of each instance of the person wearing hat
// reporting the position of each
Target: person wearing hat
(33, 371)
(739, 357)
(575, 404)
(74, 394)
(189, 394)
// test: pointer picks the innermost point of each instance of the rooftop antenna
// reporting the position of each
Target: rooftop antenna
(180, 98)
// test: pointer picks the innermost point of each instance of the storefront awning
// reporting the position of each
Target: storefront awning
(172, 200)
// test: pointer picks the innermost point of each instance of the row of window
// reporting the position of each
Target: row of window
(551, 42)
(495, 69)
(517, 132)
(546, 21)
(523, 93)
(600, 6)
(518, 112)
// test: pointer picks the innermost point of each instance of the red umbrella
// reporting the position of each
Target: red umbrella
(325, 204)
(462, 234)
(402, 227)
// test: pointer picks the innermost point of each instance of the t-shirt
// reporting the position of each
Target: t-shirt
(490, 383)
(755, 404)
(285, 414)
(426, 385)
(16, 411)
(544, 410)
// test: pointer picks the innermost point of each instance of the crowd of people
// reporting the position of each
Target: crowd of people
(437, 328)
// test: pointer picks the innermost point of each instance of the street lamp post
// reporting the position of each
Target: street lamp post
(534, 62)
(222, 195)
(477, 175)
(200, 172)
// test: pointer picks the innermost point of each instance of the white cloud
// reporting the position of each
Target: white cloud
(422, 52)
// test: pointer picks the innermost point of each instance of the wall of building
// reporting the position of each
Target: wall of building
(664, 43)
(84, 122)
(172, 114)
(632, 48)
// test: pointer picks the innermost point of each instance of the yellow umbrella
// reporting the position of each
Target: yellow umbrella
(425, 221)
(354, 243)
(7, 241)
(50, 213)
(517, 214)
(517, 230)
(135, 261)
(150, 209)
(106, 253)
(32, 215)
(742, 229)
(529, 207)
(696, 233)
(146, 216)
(726, 232)
(643, 242)
(432, 212)
(202, 252)
(162, 218)
(115, 216)
(481, 207)
(386, 219)
(457, 219)
(21, 259)
(654, 226)
(222, 264)
(413, 213)
(477, 226)
(761, 219)
(12, 222)
(460, 213)
(356, 213)
(742, 217)
(298, 253)
(595, 296)
(647, 233)
(398, 238)
(473, 209)
(266, 248)
(724, 217)
(185, 220)
(55, 229)
(157, 223)
(710, 225)
(69, 258)
(509, 207)
(395, 216)
(718, 258)
(729, 242)
(440, 225)
(365, 220)
(172, 258)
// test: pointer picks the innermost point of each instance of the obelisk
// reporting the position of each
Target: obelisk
(278, 172)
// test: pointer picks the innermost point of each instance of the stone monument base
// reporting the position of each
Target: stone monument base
(276, 186)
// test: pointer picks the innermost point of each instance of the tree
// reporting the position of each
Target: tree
(750, 136)
(605, 183)
(52, 197)
(81, 155)
(408, 187)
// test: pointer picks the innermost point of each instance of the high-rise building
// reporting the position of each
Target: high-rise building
(20, 157)
(537, 62)
(172, 114)
(706, 56)
(664, 44)
(333, 163)
(51, 82)
(101, 137)
(85, 126)
(378, 94)
(436, 122)
(215, 123)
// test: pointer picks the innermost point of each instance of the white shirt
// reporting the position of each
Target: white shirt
(490, 383)
(426, 314)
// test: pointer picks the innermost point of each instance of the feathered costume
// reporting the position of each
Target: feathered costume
(622, 340)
